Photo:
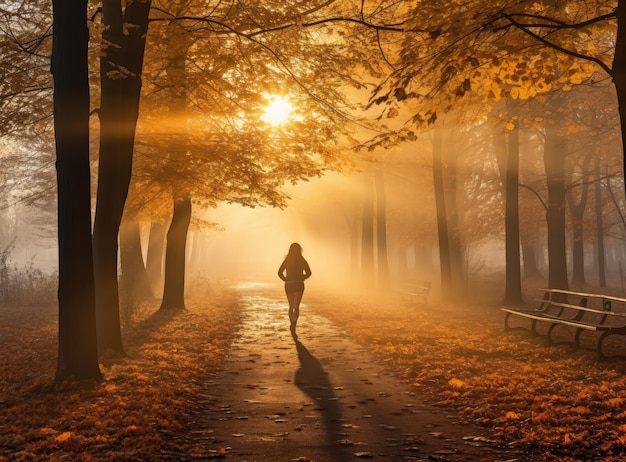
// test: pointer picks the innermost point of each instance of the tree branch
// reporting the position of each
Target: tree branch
(525, 28)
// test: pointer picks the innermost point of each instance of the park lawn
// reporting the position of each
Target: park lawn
(555, 402)
(141, 409)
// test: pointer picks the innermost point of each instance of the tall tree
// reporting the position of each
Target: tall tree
(123, 37)
(600, 256)
(577, 207)
(452, 185)
(513, 286)
(381, 230)
(154, 254)
(78, 355)
(174, 288)
(447, 287)
(554, 160)
(367, 230)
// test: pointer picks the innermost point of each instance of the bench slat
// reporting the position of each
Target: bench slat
(582, 308)
(567, 318)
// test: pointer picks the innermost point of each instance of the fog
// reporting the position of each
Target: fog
(253, 241)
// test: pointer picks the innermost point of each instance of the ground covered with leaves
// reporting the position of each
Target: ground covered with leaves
(551, 401)
(141, 409)
(555, 402)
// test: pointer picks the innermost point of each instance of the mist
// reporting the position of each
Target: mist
(253, 242)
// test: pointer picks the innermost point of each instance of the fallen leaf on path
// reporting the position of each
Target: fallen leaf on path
(389, 427)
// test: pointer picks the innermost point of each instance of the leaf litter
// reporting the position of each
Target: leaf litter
(554, 402)
(142, 410)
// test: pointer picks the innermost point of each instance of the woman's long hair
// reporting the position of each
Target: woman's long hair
(295, 253)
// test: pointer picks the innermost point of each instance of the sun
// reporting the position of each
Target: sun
(278, 111)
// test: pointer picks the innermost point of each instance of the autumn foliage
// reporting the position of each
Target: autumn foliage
(139, 412)
(556, 403)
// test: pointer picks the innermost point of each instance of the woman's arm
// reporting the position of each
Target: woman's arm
(281, 270)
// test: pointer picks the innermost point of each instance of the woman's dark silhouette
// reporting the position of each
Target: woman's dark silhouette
(294, 270)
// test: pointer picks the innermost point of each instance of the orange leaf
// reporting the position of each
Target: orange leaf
(64, 436)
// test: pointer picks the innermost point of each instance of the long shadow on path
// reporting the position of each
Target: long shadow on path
(313, 380)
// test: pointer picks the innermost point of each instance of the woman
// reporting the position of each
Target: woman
(294, 270)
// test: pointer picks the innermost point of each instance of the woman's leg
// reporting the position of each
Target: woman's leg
(290, 299)
(297, 297)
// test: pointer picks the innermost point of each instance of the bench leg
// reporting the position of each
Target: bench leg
(577, 339)
(506, 322)
(601, 355)
(533, 328)
(550, 329)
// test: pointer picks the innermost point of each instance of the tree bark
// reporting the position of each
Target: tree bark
(367, 232)
(381, 230)
(619, 73)
(554, 162)
(353, 230)
(133, 268)
(529, 257)
(513, 286)
(600, 259)
(77, 350)
(447, 289)
(455, 244)
(124, 36)
(154, 255)
(175, 253)
(577, 212)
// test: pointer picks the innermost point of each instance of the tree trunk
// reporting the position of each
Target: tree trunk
(442, 222)
(455, 244)
(352, 223)
(194, 251)
(367, 232)
(175, 253)
(77, 350)
(529, 257)
(577, 212)
(619, 73)
(154, 255)
(600, 261)
(381, 230)
(124, 36)
(133, 269)
(513, 286)
(554, 161)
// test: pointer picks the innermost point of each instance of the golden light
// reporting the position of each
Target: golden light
(277, 111)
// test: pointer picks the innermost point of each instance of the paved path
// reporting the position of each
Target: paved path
(321, 398)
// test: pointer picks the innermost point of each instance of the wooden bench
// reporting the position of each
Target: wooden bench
(416, 291)
(581, 311)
